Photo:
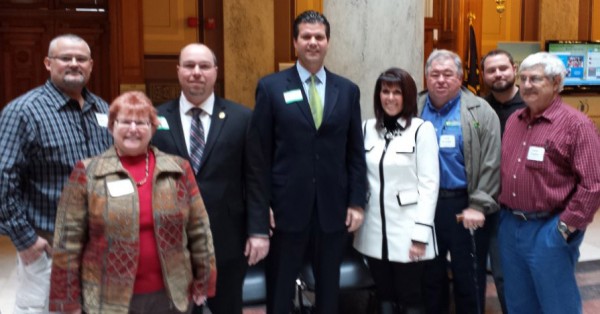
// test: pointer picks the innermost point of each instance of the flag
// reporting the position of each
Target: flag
(471, 79)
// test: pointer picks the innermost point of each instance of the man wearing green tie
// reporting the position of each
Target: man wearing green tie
(309, 125)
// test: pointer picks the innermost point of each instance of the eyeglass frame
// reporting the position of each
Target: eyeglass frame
(69, 59)
(533, 79)
(127, 123)
(203, 67)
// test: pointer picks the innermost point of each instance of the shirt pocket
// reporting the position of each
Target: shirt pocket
(407, 197)
(405, 149)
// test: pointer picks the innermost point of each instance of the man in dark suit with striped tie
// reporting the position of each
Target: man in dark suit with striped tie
(211, 132)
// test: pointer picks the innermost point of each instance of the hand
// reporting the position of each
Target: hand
(32, 253)
(77, 311)
(271, 221)
(256, 249)
(354, 218)
(472, 218)
(199, 299)
(416, 251)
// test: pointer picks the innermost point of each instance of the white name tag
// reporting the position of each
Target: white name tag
(163, 125)
(292, 96)
(536, 153)
(447, 141)
(102, 119)
(120, 188)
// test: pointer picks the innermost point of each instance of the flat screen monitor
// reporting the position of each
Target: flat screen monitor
(582, 60)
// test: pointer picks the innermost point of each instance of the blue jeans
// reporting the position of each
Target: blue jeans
(539, 266)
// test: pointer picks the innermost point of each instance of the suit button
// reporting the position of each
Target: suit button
(317, 156)
(314, 180)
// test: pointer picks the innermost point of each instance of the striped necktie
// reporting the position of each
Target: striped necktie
(316, 108)
(197, 142)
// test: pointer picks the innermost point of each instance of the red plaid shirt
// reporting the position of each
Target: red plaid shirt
(552, 163)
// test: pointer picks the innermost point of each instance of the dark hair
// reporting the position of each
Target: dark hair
(311, 17)
(401, 78)
(496, 52)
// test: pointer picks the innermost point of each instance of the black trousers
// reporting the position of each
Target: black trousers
(289, 251)
(454, 238)
(230, 281)
(398, 282)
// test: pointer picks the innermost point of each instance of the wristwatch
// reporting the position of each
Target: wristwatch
(562, 227)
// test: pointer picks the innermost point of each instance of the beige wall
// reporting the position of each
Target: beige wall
(559, 19)
(249, 46)
(497, 27)
(165, 26)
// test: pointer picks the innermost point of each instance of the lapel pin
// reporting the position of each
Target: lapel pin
(221, 115)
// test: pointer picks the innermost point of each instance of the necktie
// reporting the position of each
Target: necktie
(196, 139)
(315, 102)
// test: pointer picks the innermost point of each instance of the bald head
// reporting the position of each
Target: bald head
(191, 48)
(197, 72)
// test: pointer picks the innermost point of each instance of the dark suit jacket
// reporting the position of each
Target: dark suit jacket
(310, 168)
(228, 175)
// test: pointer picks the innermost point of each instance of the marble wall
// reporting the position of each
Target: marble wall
(248, 46)
(368, 37)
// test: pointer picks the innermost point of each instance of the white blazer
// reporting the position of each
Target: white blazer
(410, 179)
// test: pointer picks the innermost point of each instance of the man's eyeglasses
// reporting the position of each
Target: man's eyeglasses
(190, 67)
(69, 59)
(140, 124)
(534, 79)
(447, 75)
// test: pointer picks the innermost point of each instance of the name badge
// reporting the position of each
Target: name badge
(102, 119)
(536, 153)
(163, 124)
(447, 141)
(292, 96)
(120, 188)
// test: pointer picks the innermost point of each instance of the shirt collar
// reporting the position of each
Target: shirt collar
(550, 114)
(447, 106)
(207, 106)
(305, 75)
(88, 101)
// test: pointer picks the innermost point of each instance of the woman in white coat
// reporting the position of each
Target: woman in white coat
(403, 173)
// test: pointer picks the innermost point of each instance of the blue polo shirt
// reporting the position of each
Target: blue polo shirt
(450, 140)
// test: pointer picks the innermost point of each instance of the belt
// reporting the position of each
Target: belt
(445, 193)
(525, 215)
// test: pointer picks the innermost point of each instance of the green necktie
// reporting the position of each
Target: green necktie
(315, 102)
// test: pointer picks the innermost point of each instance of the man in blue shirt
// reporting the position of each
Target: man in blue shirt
(468, 132)
(44, 132)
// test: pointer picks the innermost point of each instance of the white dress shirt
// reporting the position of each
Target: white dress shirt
(186, 116)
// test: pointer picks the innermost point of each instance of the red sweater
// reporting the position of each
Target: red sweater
(149, 273)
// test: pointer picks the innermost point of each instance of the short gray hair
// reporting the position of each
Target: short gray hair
(552, 65)
(71, 37)
(444, 54)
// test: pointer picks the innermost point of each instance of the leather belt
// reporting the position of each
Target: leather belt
(526, 215)
(445, 193)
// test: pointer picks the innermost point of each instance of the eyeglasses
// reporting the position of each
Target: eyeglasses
(69, 59)
(446, 75)
(140, 124)
(534, 79)
(190, 67)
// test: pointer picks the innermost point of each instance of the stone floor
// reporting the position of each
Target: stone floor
(588, 276)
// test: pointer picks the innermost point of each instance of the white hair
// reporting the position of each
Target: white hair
(553, 67)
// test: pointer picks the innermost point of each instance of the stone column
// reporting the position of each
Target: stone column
(369, 36)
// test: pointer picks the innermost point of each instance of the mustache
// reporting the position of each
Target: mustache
(70, 71)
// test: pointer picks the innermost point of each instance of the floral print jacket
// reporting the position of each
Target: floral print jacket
(95, 251)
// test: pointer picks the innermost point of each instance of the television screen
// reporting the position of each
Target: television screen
(582, 60)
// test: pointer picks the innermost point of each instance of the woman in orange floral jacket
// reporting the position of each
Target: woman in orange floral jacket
(132, 234)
